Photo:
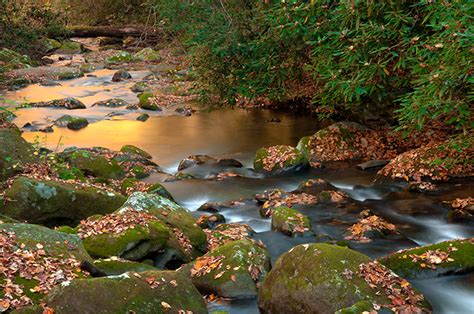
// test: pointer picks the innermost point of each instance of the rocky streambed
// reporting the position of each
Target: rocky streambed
(115, 183)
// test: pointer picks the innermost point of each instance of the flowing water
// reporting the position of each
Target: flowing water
(238, 133)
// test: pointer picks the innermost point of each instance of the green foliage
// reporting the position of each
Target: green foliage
(23, 24)
(344, 57)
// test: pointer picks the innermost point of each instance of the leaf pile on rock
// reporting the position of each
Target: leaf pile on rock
(206, 264)
(463, 206)
(434, 161)
(404, 298)
(361, 230)
(290, 200)
(227, 233)
(37, 264)
(114, 223)
(431, 258)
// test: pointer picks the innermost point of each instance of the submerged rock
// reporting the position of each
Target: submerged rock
(196, 160)
(112, 103)
(279, 158)
(143, 117)
(121, 75)
(148, 292)
(14, 152)
(323, 278)
(232, 270)
(449, 257)
(67, 103)
(54, 203)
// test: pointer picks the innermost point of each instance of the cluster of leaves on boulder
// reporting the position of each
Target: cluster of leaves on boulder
(369, 223)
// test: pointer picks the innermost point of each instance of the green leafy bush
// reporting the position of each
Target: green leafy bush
(409, 60)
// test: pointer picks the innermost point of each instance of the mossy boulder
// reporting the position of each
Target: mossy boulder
(55, 203)
(77, 124)
(241, 265)
(336, 142)
(132, 244)
(310, 278)
(173, 215)
(143, 117)
(55, 245)
(431, 260)
(70, 47)
(117, 267)
(290, 221)
(111, 103)
(135, 150)
(279, 158)
(14, 152)
(147, 54)
(150, 292)
(148, 101)
(119, 56)
(95, 165)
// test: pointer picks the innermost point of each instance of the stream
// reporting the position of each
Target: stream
(238, 133)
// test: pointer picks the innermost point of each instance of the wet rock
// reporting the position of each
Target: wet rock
(50, 83)
(131, 149)
(121, 75)
(48, 129)
(67, 103)
(140, 87)
(112, 103)
(187, 112)
(77, 123)
(180, 176)
(116, 266)
(279, 158)
(14, 152)
(147, 54)
(371, 164)
(148, 101)
(149, 292)
(195, 160)
(449, 257)
(314, 186)
(212, 207)
(143, 117)
(210, 221)
(316, 278)
(94, 164)
(41, 73)
(53, 203)
(332, 197)
(119, 56)
(290, 221)
(232, 270)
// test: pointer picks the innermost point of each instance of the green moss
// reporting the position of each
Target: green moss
(462, 255)
(147, 54)
(311, 278)
(120, 57)
(131, 149)
(128, 242)
(71, 47)
(235, 280)
(297, 159)
(128, 293)
(14, 152)
(95, 165)
(50, 202)
(286, 220)
(147, 101)
(118, 267)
